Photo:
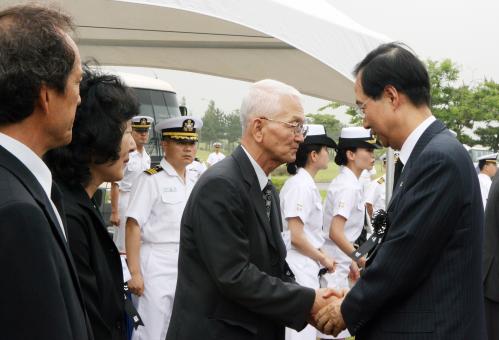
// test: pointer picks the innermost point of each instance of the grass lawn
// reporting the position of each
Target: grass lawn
(203, 154)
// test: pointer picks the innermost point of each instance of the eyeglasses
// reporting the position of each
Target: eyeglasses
(298, 128)
(361, 107)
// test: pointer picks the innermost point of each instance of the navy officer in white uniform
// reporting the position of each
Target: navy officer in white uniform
(301, 210)
(488, 167)
(120, 191)
(344, 209)
(154, 212)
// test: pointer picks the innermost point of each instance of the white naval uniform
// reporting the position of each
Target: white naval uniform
(197, 169)
(137, 163)
(344, 198)
(485, 183)
(214, 158)
(300, 197)
(365, 179)
(157, 202)
(376, 194)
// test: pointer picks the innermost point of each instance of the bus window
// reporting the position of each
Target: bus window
(171, 104)
(145, 105)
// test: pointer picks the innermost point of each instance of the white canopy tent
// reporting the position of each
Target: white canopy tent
(307, 44)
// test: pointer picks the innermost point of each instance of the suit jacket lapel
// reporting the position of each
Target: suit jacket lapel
(434, 128)
(31, 184)
(80, 196)
(276, 223)
(251, 179)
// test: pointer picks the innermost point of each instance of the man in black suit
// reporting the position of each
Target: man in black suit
(233, 281)
(425, 279)
(491, 261)
(39, 89)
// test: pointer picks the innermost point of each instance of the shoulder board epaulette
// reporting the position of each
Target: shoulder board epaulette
(381, 180)
(153, 170)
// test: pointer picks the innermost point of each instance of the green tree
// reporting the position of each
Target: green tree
(489, 136)
(233, 127)
(486, 100)
(214, 124)
(333, 126)
(452, 103)
(458, 105)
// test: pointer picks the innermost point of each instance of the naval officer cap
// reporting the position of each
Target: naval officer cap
(487, 159)
(217, 145)
(142, 123)
(182, 128)
(357, 137)
(316, 134)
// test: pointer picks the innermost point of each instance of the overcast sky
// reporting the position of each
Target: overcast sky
(466, 31)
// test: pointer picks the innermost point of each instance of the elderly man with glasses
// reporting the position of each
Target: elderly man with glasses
(233, 280)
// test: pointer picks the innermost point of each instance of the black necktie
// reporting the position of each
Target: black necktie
(398, 170)
(267, 198)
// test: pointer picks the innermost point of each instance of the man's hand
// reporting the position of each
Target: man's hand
(136, 284)
(329, 319)
(322, 298)
(115, 218)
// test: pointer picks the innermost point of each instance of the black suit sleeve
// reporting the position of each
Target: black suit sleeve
(491, 244)
(81, 249)
(421, 226)
(225, 249)
(30, 263)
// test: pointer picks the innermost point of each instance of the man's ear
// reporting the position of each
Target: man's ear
(256, 128)
(44, 99)
(393, 96)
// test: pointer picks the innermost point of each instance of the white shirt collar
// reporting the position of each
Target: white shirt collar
(170, 170)
(410, 142)
(260, 174)
(349, 173)
(30, 160)
(306, 176)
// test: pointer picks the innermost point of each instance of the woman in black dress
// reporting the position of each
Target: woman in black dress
(97, 153)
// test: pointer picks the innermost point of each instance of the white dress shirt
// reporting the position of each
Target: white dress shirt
(410, 142)
(263, 179)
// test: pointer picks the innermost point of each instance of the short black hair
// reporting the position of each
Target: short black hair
(33, 51)
(393, 64)
(482, 163)
(100, 121)
(302, 156)
(341, 155)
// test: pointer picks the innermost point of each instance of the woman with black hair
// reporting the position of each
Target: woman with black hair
(301, 209)
(344, 210)
(97, 153)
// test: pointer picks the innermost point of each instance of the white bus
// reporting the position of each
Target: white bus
(157, 99)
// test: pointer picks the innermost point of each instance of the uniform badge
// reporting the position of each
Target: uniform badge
(143, 121)
(188, 125)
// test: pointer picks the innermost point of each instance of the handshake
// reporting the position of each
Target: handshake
(326, 313)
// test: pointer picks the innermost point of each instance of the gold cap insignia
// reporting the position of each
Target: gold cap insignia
(188, 125)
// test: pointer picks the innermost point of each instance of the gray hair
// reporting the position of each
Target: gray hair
(263, 99)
